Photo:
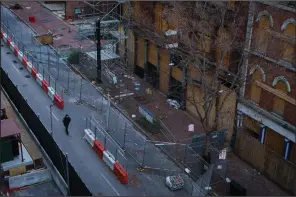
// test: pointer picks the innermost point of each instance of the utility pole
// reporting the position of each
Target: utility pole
(98, 39)
(50, 111)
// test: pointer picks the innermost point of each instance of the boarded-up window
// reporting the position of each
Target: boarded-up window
(274, 141)
(160, 23)
(226, 55)
(125, 9)
(289, 52)
(289, 48)
(251, 124)
(279, 103)
(255, 89)
(263, 35)
(223, 47)
(177, 73)
(152, 53)
(136, 10)
(140, 52)
(164, 71)
(204, 42)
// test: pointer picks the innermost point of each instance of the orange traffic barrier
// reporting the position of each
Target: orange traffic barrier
(45, 86)
(121, 173)
(58, 101)
(99, 148)
(34, 73)
(25, 61)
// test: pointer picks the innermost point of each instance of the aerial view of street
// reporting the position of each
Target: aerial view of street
(148, 98)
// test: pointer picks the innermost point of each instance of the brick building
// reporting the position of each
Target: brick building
(267, 107)
(149, 55)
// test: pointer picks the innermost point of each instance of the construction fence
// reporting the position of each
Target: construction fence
(120, 133)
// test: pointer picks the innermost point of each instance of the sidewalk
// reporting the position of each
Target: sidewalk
(157, 105)
(46, 21)
(176, 121)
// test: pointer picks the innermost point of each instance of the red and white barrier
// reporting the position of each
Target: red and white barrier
(106, 156)
(30, 67)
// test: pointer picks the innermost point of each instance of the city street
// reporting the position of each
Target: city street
(95, 174)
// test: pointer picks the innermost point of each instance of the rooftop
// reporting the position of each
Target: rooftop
(8, 128)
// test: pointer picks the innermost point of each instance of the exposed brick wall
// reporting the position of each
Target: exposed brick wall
(290, 113)
(275, 46)
(272, 70)
(264, 102)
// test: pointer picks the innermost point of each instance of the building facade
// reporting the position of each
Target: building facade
(156, 47)
(267, 106)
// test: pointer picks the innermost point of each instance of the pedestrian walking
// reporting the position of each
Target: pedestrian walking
(66, 121)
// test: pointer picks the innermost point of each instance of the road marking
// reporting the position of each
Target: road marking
(52, 113)
(110, 184)
(16, 68)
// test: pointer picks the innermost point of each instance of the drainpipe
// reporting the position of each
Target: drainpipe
(145, 59)
(244, 68)
(158, 66)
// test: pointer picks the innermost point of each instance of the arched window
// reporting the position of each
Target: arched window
(257, 75)
(265, 22)
(288, 50)
(281, 84)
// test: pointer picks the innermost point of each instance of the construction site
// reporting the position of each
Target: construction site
(159, 104)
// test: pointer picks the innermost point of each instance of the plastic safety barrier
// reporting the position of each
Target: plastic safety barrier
(106, 156)
(15, 51)
(121, 173)
(20, 56)
(37, 76)
(109, 159)
(29, 66)
(45, 86)
(25, 61)
(99, 148)
(39, 79)
(89, 137)
(34, 73)
(59, 101)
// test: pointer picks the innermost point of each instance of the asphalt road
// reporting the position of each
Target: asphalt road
(93, 172)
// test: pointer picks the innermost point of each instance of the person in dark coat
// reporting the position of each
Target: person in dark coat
(66, 121)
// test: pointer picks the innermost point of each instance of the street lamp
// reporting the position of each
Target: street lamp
(50, 111)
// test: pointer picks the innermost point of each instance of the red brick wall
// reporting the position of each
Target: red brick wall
(279, 16)
(273, 70)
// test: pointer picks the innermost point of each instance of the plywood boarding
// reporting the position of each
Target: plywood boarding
(252, 124)
(45, 39)
(140, 52)
(130, 41)
(274, 141)
(164, 71)
(293, 153)
(160, 24)
(177, 73)
(17, 170)
(152, 53)
(194, 94)
(250, 150)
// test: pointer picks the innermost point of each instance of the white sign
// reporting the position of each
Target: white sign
(222, 154)
(146, 113)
